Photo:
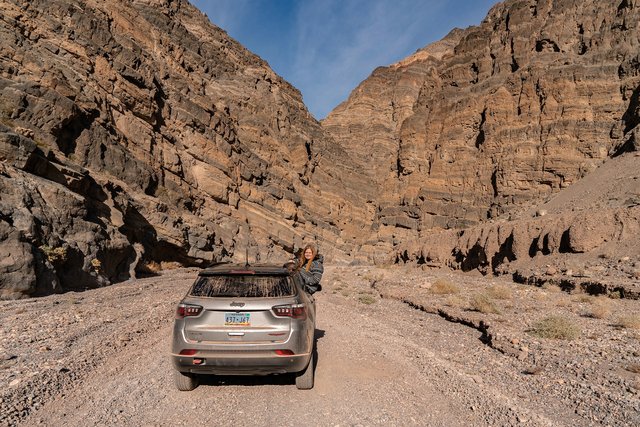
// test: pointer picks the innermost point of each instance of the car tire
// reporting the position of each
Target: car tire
(185, 382)
(304, 379)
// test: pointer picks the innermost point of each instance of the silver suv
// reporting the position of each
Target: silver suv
(244, 320)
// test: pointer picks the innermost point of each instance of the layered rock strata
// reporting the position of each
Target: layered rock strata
(494, 117)
(137, 133)
(587, 235)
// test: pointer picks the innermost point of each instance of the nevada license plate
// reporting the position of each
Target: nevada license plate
(236, 319)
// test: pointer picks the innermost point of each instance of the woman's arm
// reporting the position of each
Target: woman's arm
(312, 277)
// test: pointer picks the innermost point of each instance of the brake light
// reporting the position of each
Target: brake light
(186, 310)
(188, 352)
(295, 311)
(284, 352)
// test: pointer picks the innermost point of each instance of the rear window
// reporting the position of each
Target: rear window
(243, 286)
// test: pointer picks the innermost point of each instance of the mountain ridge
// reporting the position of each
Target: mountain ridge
(526, 103)
(137, 135)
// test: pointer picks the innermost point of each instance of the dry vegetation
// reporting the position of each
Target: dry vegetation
(555, 327)
(455, 301)
(600, 308)
(155, 268)
(444, 286)
(549, 287)
(551, 332)
(483, 303)
(629, 321)
(366, 299)
(500, 291)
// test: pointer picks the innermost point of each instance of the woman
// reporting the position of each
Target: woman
(310, 268)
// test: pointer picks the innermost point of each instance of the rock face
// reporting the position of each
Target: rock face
(586, 236)
(495, 117)
(137, 133)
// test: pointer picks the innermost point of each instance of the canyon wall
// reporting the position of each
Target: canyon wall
(493, 118)
(136, 133)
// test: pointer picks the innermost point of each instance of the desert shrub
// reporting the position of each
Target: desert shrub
(54, 255)
(555, 327)
(372, 277)
(500, 292)
(366, 299)
(629, 322)
(455, 301)
(563, 301)
(540, 296)
(170, 265)
(443, 286)
(579, 290)
(635, 368)
(483, 303)
(551, 287)
(150, 267)
(96, 265)
(582, 298)
(600, 308)
(154, 266)
(338, 285)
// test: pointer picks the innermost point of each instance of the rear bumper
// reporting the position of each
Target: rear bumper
(240, 363)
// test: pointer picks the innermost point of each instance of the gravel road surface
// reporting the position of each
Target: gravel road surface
(100, 358)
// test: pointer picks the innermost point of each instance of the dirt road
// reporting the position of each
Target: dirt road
(101, 358)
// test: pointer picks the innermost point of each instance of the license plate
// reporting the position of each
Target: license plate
(236, 319)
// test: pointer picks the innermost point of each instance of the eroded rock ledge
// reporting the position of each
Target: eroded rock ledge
(135, 134)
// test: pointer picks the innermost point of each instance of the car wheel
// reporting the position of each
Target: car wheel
(185, 382)
(304, 379)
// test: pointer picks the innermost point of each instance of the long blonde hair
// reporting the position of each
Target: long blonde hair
(303, 260)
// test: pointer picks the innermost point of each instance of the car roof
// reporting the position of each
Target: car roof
(228, 269)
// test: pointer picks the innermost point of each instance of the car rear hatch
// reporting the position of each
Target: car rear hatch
(239, 308)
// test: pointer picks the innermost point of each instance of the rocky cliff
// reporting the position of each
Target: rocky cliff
(495, 117)
(585, 236)
(134, 133)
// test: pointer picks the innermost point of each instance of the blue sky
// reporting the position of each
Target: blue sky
(325, 48)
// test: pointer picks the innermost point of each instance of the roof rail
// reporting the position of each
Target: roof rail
(216, 263)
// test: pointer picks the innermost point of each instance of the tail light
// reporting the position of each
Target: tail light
(188, 352)
(295, 311)
(284, 352)
(187, 310)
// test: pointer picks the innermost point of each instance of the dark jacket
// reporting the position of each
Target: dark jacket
(311, 279)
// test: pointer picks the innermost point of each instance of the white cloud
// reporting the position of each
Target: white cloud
(327, 47)
(341, 42)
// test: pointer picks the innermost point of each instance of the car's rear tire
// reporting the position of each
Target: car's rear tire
(304, 379)
(185, 382)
